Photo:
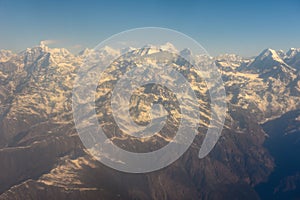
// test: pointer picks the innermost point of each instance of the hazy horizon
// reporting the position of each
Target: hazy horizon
(77, 51)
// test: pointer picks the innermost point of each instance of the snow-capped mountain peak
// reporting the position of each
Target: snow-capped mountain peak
(270, 65)
(268, 58)
(281, 54)
(43, 45)
(168, 47)
(45, 48)
(292, 52)
(5, 55)
(293, 58)
(127, 50)
(186, 52)
(109, 50)
(85, 52)
(269, 54)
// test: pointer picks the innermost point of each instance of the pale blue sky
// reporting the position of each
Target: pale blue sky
(242, 27)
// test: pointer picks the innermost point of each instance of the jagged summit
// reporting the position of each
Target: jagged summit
(109, 51)
(293, 58)
(151, 49)
(292, 52)
(84, 52)
(43, 45)
(268, 58)
(5, 55)
(186, 52)
(56, 55)
(281, 54)
(269, 64)
(269, 54)
(127, 49)
(45, 48)
(169, 47)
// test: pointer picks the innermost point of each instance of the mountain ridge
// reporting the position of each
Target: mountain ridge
(37, 130)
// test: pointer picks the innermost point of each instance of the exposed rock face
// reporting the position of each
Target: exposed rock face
(42, 156)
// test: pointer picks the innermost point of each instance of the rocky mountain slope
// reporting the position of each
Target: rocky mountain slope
(42, 156)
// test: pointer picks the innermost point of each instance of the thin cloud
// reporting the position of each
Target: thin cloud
(47, 42)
